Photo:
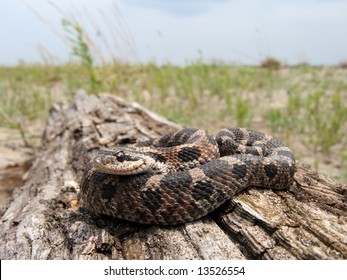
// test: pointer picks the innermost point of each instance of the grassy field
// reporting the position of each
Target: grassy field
(306, 107)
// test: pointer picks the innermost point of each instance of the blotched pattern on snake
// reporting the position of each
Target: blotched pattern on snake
(183, 175)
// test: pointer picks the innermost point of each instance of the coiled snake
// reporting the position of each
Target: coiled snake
(184, 175)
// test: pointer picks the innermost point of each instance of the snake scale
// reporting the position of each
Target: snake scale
(183, 175)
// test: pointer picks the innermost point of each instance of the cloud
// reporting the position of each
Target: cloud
(176, 8)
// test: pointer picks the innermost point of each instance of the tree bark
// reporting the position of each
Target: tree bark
(42, 219)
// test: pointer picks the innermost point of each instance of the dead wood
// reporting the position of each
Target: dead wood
(42, 220)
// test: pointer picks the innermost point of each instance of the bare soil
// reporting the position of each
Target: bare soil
(16, 159)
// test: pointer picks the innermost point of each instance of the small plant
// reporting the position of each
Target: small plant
(80, 49)
(326, 117)
(343, 64)
(15, 125)
(278, 119)
(303, 64)
(243, 111)
(239, 107)
(271, 63)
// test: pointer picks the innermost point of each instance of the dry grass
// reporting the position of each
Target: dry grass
(304, 106)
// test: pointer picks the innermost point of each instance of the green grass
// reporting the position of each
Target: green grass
(304, 106)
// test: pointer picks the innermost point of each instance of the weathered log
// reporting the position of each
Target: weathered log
(42, 220)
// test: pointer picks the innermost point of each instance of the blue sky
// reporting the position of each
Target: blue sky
(178, 31)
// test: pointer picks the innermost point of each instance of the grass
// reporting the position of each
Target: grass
(306, 107)
(179, 93)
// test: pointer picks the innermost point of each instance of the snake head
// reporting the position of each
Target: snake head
(123, 161)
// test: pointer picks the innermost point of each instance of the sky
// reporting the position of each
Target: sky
(177, 31)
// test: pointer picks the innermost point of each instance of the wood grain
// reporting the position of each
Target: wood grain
(43, 221)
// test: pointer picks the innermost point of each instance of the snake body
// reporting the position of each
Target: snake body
(183, 175)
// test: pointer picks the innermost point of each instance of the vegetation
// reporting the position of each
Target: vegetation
(271, 63)
(304, 106)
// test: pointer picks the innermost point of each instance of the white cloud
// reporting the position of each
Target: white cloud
(177, 7)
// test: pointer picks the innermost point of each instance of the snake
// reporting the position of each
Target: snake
(183, 175)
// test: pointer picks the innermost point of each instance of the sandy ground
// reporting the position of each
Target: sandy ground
(15, 161)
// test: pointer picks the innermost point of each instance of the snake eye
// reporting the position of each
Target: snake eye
(120, 156)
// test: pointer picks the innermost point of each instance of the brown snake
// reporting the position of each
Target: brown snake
(184, 175)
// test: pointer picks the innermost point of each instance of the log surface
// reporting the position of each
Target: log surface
(42, 219)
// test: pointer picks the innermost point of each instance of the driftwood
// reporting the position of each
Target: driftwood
(42, 220)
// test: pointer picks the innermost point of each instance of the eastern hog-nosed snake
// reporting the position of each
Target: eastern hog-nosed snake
(183, 175)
